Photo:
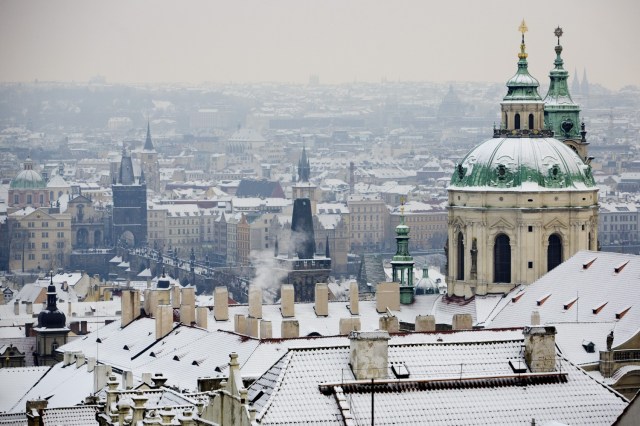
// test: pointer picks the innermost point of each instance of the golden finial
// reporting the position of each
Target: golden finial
(523, 29)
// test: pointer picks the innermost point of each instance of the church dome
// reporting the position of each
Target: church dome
(522, 164)
(51, 316)
(28, 179)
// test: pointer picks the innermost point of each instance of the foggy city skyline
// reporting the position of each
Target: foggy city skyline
(288, 41)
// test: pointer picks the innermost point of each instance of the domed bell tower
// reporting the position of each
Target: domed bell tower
(51, 331)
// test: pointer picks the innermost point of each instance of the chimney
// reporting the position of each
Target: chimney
(287, 297)
(188, 305)
(79, 359)
(91, 364)
(255, 302)
(146, 378)
(322, 300)
(240, 324)
(66, 358)
(540, 348)
(29, 306)
(83, 327)
(34, 412)
(127, 379)
(202, 316)
(535, 318)
(389, 323)
(425, 323)
(164, 321)
(462, 322)
(27, 329)
(289, 329)
(112, 394)
(159, 380)
(354, 299)
(75, 327)
(175, 296)
(100, 374)
(369, 354)
(152, 296)
(221, 304)
(16, 307)
(387, 297)
(253, 327)
(347, 325)
(166, 415)
(266, 330)
(130, 306)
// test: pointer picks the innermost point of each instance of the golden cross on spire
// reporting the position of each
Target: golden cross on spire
(523, 27)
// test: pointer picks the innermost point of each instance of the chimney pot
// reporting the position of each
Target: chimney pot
(322, 300)
(221, 304)
(287, 298)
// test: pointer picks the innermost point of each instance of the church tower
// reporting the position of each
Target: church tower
(51, 331)
(129, 205)
(149, 163)
(561, 113)
(520, 203)
(303, 188)
(402, 262)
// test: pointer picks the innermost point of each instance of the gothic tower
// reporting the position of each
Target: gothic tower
(129, 205)
(303, 188)
(149, 163)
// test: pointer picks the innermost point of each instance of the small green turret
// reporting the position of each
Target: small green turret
(402, 263)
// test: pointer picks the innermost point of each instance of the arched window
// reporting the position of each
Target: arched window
(502, 259)
(554, 251)
(517, 121)
(506, 121)
(460, 274)
(530, 121)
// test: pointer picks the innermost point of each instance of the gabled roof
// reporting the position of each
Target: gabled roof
(453, 383)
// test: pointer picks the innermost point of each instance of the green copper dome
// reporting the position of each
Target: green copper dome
(523, 164)
(28, 179)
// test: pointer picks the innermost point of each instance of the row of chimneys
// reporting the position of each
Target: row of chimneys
(160, 304)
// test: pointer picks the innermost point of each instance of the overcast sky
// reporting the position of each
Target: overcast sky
(288, 40)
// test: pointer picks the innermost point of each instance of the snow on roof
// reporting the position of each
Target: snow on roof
(605, 284)
(62, 386)
(81, 415)
(16, 381)
(295, 380)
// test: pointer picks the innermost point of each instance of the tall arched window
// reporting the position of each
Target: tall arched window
(530, 121)
(589, 246)
(517, 121)
(506, 121)
(502, 259)
(460, 274)
(554, 251)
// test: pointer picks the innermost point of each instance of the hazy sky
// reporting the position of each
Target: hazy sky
(288, 40)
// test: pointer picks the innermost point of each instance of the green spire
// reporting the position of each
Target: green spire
(402, 263)
(522, 86)
(561, 113)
